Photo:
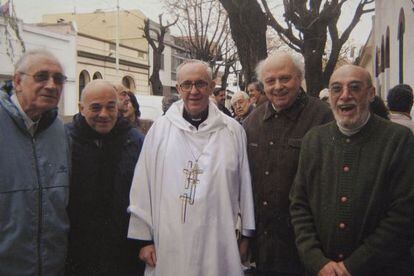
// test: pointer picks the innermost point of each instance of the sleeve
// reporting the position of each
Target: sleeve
(308, 245)
(140, 222)
(246, 196)
(394, 234)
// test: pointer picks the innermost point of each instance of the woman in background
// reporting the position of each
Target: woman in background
(133, 115)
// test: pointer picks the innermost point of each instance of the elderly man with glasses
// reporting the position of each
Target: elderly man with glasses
(352, 201)
(34, 170)
(190, 185)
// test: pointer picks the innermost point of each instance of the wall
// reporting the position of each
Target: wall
(63, 46)
(387, 14)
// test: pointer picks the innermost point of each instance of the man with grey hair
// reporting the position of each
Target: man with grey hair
(34, 170)
(241, 106)
(105, 149)
(274, 134)
(191, 182)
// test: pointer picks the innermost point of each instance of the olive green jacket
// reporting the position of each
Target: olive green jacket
(353, 198)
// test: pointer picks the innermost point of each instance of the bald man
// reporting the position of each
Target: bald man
(105, 149)
(352, 202)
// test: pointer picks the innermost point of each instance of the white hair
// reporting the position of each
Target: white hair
(23, 64)
(196, 61)
(296, 60)
(238, 95)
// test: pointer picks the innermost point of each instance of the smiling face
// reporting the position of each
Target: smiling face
(36, 96)
(281, 80)
(99, 106)
(351, 91)
(195, 87)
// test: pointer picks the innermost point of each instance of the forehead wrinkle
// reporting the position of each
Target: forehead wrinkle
(42, 63)
(198, 70)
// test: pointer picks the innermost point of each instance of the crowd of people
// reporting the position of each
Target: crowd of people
(285, 184)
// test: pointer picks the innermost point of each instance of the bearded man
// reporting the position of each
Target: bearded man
(352, 201)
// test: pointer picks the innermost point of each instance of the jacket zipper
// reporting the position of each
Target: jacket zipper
(40, 212)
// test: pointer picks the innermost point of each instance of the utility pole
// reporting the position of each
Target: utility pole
(117, 39)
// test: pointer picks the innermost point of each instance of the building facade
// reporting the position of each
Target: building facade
(388, 51)
(97, 51)
(62, 45)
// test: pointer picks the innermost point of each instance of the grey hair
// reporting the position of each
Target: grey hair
(296, 60)
(237, 95)
(190, 61)
(23, 63)
(98, 83)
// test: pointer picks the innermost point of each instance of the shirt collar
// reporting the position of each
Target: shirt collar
(30, 124)
(292, 112)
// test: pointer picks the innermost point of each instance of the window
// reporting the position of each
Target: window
(382, 55)
(97, 75)
(387, 48)
(84, 79)
(129, 83)
(401, 30)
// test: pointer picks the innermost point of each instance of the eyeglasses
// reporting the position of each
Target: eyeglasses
(199, 85)
(43, 76)
(353, 87)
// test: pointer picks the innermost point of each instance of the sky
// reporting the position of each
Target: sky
(31, 11)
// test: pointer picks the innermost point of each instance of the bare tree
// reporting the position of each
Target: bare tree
(14, 43)
(205, 33)
(248, 26)
(305, 28)
(157, 45)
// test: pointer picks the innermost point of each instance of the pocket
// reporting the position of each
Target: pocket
(295, 142)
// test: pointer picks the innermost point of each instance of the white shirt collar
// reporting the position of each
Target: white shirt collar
(30, 124)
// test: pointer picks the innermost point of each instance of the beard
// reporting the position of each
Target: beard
(352, 122)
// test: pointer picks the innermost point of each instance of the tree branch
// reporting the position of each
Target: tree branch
(285, 34)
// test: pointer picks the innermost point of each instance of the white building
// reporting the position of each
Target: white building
(63, 46)
(97, 34)
(389, 49)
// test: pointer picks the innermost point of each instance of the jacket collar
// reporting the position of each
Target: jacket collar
(46, 120)
(83, 130)
(292, 112)
(213, 122)
(362, 135)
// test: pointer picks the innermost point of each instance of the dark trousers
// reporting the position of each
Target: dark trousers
(275, 273)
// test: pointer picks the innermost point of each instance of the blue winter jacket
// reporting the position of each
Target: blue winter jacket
(34, 177)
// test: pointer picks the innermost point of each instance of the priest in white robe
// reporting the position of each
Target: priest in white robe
(191, 183)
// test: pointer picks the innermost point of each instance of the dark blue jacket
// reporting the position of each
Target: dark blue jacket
(103, 167)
